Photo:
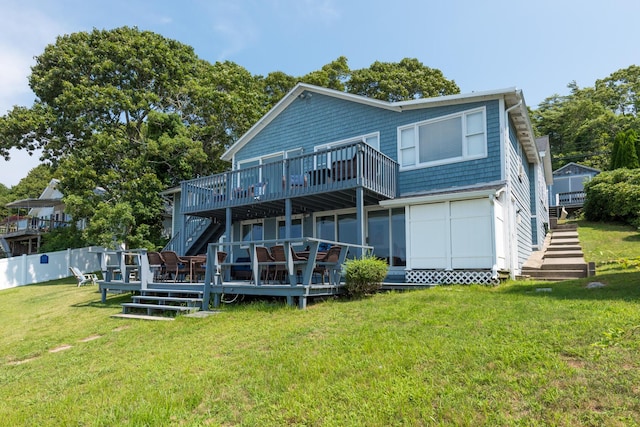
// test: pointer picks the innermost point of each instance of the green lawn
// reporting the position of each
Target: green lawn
(613, 247)
(452, 355)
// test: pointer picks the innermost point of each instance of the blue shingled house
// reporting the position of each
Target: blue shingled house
(450, 189)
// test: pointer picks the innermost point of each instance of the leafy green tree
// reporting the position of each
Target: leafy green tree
(276, 85)
(624, 154)
(332, 75)
(400, 81)
(62, 238)
(4, 199)
(32, 185)
(582, 125)
(122, 113)
(620, 92)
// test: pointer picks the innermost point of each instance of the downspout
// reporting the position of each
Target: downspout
(513, 263)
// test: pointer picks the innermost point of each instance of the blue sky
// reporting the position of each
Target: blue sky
(538, 46)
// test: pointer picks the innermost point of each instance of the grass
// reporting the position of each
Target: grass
(452, 355)
(613, 247)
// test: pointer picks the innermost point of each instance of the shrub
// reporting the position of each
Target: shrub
(365, 275)
(614, 196)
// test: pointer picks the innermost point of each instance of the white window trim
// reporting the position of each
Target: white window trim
(284, 218)
(361, 138)
(465, 157)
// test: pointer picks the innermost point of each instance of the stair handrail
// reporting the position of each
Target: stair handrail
(195, 226)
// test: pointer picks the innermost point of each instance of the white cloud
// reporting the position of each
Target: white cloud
(234, 24)
(25, 33)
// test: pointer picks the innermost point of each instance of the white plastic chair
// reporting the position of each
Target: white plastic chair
(83, 278)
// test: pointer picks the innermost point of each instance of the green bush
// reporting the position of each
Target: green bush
(364, 276)
(614, 196)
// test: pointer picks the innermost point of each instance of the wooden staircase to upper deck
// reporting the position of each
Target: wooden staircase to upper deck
(561, 258)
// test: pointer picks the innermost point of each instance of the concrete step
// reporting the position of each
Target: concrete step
(552, 277)
(556, 248)
(564, 239)
(559, 233)
(572, 226)
(556, 274)
(564, 254)
(565, 264)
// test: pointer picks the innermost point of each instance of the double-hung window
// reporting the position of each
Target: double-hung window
(453, 138)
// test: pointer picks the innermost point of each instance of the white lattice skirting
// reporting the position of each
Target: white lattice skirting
(449, 277)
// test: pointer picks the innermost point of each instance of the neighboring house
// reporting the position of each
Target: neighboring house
(20, 235)
(567, 190)
(448, 190)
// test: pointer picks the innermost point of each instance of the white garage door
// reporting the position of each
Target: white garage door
(451, 235)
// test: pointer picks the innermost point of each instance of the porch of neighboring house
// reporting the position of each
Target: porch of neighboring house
(569, 201)
(567, 191)
(22, 235)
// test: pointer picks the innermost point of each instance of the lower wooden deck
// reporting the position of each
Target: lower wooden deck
(295, 295)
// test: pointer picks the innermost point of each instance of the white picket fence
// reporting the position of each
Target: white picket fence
(30, 269)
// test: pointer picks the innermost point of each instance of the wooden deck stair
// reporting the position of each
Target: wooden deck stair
(561, 259)
(162, 303)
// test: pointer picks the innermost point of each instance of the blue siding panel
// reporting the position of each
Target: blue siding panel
(321, 119)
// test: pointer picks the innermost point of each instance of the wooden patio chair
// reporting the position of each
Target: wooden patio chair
(83, 278)
(329, 263)
(174, 265)
(157, 265)
(265, 262)
(280, 268)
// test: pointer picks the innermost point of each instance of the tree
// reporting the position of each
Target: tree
(332, 75)
(580, 127)
(623, 153)
(126, 113)
(32, 185)
(401, 81)
(620, 92)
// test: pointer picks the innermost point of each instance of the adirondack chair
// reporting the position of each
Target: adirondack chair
(84, 278)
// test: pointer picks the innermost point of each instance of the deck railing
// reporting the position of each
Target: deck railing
(31, 224)
(331, 169)
(573, 198)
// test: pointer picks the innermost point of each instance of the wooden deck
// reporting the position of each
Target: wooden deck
(296, 286)
(306, 178)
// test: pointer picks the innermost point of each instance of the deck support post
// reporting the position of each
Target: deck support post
(288, 211)
(302, 302)
(360, 220)
(229, 238)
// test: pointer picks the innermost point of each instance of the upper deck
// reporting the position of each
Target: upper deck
(322, 180)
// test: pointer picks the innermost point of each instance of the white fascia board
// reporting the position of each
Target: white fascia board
(440, 197)
(457, 99)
